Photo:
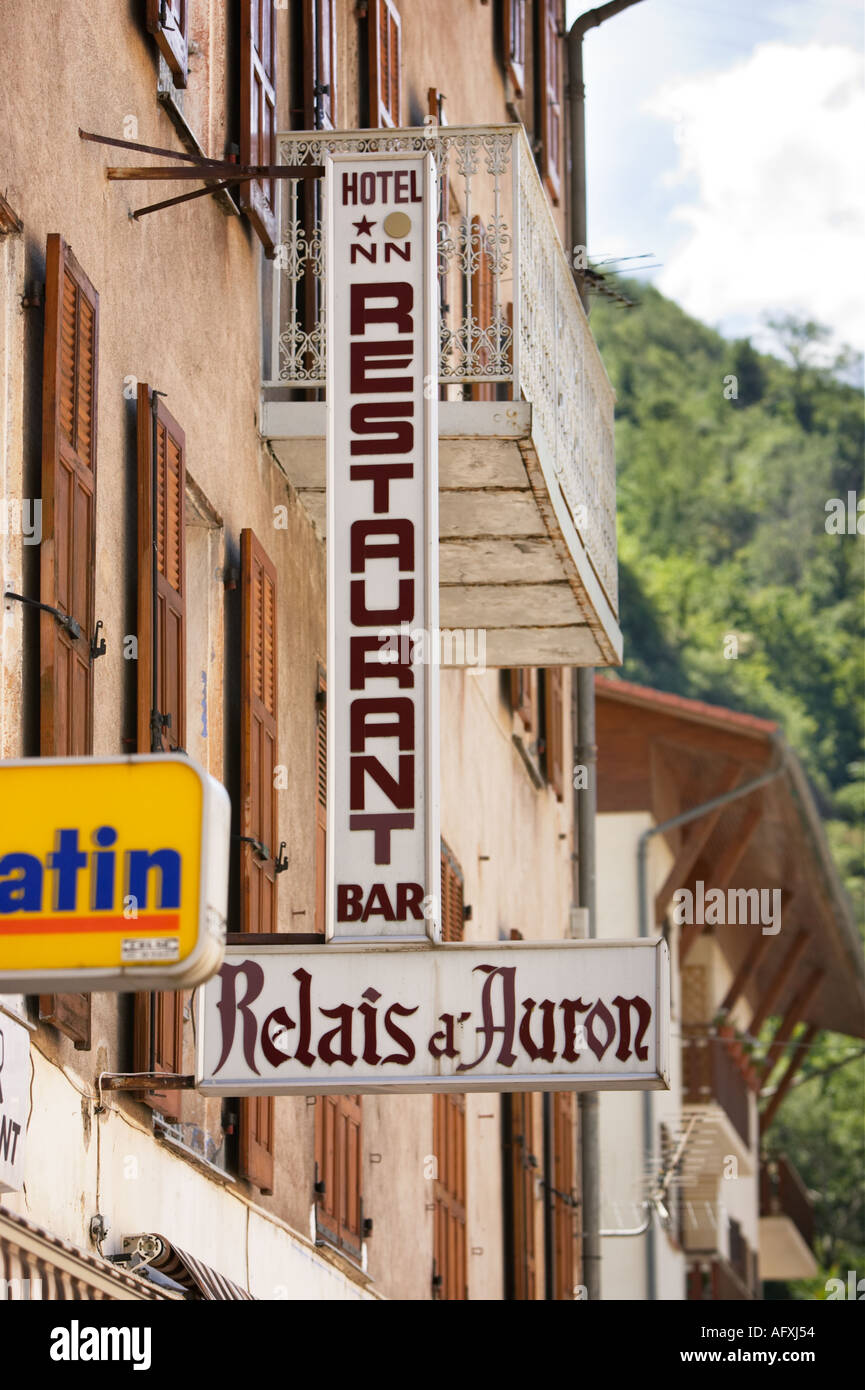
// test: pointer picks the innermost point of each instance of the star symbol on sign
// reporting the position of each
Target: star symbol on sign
(364, 226)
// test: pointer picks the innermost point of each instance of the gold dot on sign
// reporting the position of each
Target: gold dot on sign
(397, 224)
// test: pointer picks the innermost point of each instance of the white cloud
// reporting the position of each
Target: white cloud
(769, 189)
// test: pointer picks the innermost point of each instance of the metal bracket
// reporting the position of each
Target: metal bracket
(261, 850)
(73, 627)
(280, 863)
(97, 643)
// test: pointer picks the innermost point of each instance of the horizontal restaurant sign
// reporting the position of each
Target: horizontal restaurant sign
(578, 1015)
(113, 873)
(383, 861)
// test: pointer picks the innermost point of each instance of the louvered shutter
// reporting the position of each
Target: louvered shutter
(68, 549)
(554, 728)
(167, 22)
(450, 1268)
(158, 1027)
(258, 810)
(549, 75)
(258, 115)
(321, 805)
(319, 64)
(521, 1149)
(522, 683)
(514, 40)
(385, 57)
(564, 1209)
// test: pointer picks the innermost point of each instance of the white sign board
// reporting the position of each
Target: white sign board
(577, 1015)
(14, 1101)
(382, 548)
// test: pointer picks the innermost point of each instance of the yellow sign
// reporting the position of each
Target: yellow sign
(113, 873)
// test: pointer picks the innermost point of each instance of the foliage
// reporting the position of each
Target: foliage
(726, 460)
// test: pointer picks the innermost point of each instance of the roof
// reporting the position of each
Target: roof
(684, 708)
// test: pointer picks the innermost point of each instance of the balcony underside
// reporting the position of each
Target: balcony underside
(511, 561)
(784, 1253)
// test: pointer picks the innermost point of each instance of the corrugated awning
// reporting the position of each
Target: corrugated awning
(56, 1269)
(192, 1274)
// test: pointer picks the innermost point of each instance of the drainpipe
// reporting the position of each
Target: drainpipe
(577, 102)
(585, 804)
(694, 813)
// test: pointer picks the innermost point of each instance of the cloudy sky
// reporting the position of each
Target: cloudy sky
(727, 140)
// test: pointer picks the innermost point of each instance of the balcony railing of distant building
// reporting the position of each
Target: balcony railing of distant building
(782, 1193)
(711, 1072)
(512, 326)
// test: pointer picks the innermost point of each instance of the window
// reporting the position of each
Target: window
(450, 1267)
(521, 1167)
(161, 673)
(258, 115)
(68, 550)
(550, 96)
(514, 27)
(338, 1119)
(523, 691)
(563, 1195)
(384, 39)
(167, 21)
(314, 72)
(554, 729)
(259, 810)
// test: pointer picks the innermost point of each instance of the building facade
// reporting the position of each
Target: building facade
(162, 457)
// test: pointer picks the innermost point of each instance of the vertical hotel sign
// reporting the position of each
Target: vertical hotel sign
(383, 856)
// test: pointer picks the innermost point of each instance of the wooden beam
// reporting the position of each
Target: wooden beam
(729, 860)
(688, 855)
(748, 967)
(794, 1013)
(222, 170)
(799, 1055)
(773, 993)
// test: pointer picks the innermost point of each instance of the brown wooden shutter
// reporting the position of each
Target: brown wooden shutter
(171, 573)
(385, 59)
(514, 38)
(321, 804)
(319, 64)
(68, 549)
(158, 1019)
(564, 1195)
(450, 1267)
(523, 686)
(338, 1159)
(258, 810)
(550, 83)
(521, 1151)
(554, 729)
(167, 22)
(258, 115)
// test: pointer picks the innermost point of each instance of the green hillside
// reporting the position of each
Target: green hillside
(723, 546)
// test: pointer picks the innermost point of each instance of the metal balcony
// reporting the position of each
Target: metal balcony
(526, 457)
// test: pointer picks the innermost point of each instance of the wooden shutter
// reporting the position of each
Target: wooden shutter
(514, 38)
(321, 803)
(554, 729)
(319, 64)
(258, 115)
(338, 1158)
(167, 22)
(520, 1156)
(259, 742)
(550, 84)
(523, 687)
(258, 810)
(171, 573)
(563, 1195)
(450, 1266)
(68, 549)
(385, 59)
(158, 1017)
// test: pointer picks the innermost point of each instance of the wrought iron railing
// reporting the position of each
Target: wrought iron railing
(512, 325)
